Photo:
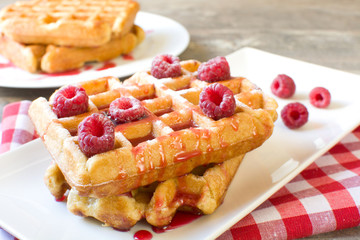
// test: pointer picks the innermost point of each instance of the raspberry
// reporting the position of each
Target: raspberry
(294, 115)
(165, 66)
(215, 69)
(70, 101)
(96, 134)
(283, 86)
(320, 97)
(126, 109)
(217, 101)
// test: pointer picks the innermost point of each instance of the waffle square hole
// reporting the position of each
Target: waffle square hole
(136, 141)
(163, 111)
(178, 83)
(137, 131)
(159, 105)
(184, 125)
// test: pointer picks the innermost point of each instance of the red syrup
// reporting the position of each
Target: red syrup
(67, 73)
(143, 235)
(88, 67)
(7, 65)
(180, 219)
(106, 65)
(183, 156)
(62, 199)
(128, 57)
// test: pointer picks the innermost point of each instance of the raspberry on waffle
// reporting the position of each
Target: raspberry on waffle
(172, 139)
(76, 23)
(53, 59)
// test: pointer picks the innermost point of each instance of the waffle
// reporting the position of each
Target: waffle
(25, 57)
(60, 59)
(174, 138)
(53, 59)
(200, 192)
(77, 23)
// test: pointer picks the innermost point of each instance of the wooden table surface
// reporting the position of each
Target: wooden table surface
(324, 32)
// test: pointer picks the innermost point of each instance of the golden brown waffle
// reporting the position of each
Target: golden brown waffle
(55, 181)
(201, 192)
(60, 59)
(174, 138)
(53, 59)
(27, 57)
(77, 23)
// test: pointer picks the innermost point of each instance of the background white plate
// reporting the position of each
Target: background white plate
(163, 35)
(28, 211)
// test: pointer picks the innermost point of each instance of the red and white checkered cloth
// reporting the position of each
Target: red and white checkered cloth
(16, 127)
(323, 198)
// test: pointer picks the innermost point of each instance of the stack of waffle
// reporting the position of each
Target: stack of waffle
(59, 35)
(174, 158)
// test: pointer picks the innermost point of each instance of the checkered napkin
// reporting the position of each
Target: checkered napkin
(16, 127)
(323, 198)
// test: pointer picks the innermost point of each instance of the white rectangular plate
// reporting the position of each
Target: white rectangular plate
(28, 211)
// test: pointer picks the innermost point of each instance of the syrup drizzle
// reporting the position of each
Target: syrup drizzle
(139, 156)
(183, 156)
(234, 124)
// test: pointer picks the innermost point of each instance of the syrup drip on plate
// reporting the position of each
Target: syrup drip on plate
(106, 65)
(180, 219)
(143, 235)
(7, 65)
(66, 73)
(128, 57)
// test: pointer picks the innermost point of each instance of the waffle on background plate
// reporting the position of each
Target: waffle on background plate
(174, 158)
(60, 35)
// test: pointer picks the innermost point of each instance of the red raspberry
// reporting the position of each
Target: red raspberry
(217, 101)
(216, 69)
(166, 66)
(294, 115)
(126, 109)
(96, 134)
(320, 97)
(70, 101)
(283, 86)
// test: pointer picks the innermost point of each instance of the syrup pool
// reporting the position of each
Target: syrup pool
(106, 65)
(143, 235)
(180, 219)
